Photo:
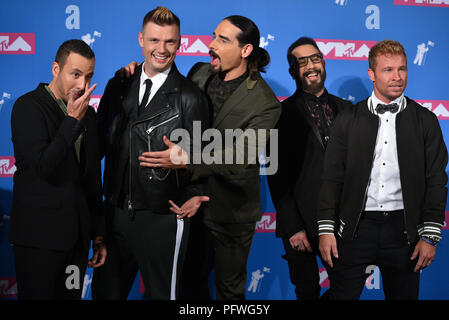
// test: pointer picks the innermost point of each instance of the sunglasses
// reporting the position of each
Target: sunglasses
(315, 58)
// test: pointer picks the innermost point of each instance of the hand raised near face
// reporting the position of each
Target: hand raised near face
(79, 101)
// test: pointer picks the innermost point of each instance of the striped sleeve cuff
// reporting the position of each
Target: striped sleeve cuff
(326, 227)
(430, 229)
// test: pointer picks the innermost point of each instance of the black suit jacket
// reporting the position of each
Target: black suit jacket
(294, 188)
(56, 199)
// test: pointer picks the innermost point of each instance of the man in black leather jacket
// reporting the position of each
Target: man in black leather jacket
(136, 116)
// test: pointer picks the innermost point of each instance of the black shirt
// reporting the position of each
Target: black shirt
(321, 112)
(219, 90)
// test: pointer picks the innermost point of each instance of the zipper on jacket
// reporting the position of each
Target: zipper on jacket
(131, 211)
(149, 131)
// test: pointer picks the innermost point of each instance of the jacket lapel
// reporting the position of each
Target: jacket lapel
(130, 104)
(301, 105)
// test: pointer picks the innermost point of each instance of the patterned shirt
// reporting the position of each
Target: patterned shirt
(321, 112)
(219, 90)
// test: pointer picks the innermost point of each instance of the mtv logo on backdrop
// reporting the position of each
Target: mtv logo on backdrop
(439, 107)
(345, 49)
(256, 279)
(194, 45)
(420, 57)
(7, 167)
(341, 2)
(263, 42)
(8, 287)
(89, 39)
(17, 43)
(424, 3)
(95, 101)
(267, 223)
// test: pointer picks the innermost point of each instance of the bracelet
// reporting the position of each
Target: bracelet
(433, 243)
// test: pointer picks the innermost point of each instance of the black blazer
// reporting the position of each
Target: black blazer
(294, 188)
(55, 197)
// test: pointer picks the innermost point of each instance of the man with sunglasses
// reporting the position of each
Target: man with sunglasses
(304, 128)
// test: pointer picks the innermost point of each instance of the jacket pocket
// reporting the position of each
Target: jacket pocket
(159, 174)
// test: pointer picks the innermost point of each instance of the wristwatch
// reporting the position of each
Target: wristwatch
(431, 240)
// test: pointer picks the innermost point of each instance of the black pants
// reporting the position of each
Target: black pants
(152, 243)
(198, 263)
(303, 269)
(232, 243)
(381, 240)
(41, 273)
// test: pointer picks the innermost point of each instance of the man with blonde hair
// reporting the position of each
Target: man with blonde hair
(383, 194)
(136, 115)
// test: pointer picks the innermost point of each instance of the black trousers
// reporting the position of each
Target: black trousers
(198, 263)
(232, 243)
(304, 272)
(152, 243)
(381, 240)
(44, 274)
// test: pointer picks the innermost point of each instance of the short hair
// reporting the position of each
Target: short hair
(385, 47)
(300, 42)
(259, 57)
(161, 16)
(75, 46)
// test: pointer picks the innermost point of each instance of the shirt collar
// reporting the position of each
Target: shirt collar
(373, 101)
(323, 99)
(157, 79)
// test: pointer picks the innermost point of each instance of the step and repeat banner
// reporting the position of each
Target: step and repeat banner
(345, 30)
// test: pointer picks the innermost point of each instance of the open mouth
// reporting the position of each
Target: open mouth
(160, 58)
(312, 75)
(215, 59)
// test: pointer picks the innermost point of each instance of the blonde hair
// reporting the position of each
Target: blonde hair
(161, 16)
(385, 47)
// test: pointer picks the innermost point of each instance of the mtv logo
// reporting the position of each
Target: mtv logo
(194, 45)
(8, 287)
(17, 43)
(345, 49)
(439, 107)
(94, 101)
(7, 167)
(267, 223)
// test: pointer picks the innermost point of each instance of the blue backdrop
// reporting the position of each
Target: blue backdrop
(31, 31)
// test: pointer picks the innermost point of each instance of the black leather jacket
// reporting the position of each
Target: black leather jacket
(125, 135)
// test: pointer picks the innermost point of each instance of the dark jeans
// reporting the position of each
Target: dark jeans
(303, 269)
(41, 273)
(381, 240)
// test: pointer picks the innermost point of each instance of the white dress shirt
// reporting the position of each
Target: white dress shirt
(157, 81)
(384, 188)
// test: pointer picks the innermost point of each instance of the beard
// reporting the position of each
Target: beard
(315, 86)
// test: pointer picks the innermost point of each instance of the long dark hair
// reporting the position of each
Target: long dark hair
(259, 57)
